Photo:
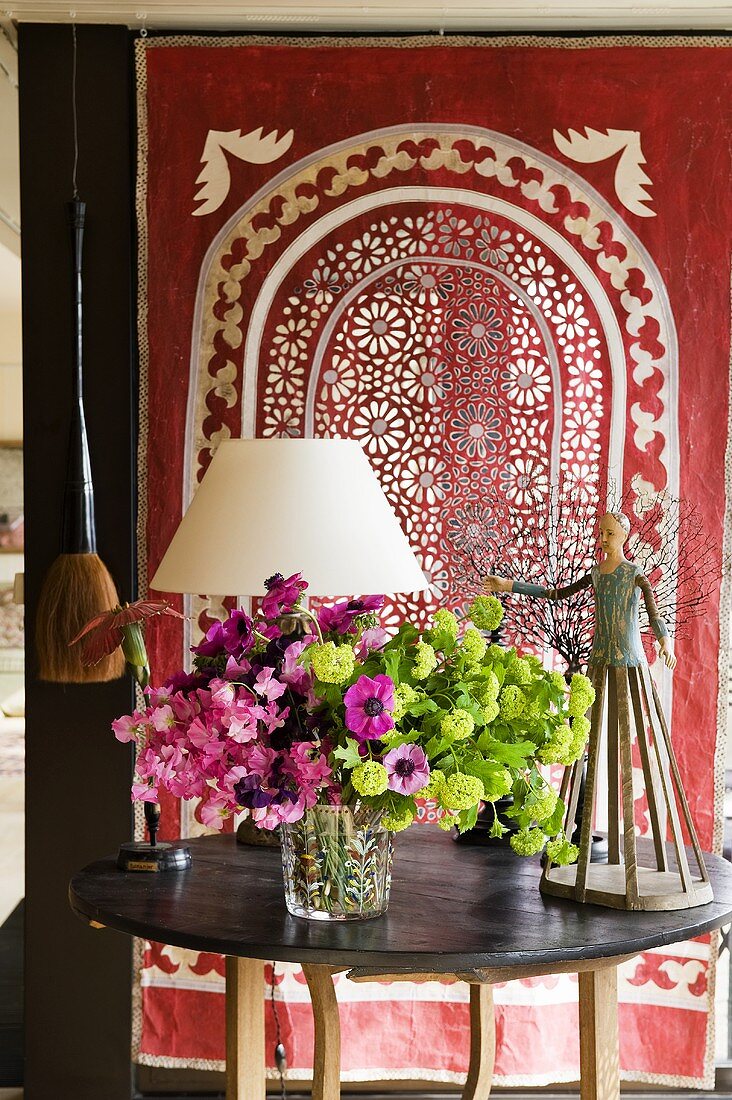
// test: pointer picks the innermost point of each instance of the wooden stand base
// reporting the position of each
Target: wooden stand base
(606, 885)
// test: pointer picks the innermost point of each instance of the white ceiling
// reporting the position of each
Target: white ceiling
(503, 15)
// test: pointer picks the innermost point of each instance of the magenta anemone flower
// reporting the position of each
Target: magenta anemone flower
(283, 593)
(238, 633)
(340, 618)
(407, 769)
(369, 704)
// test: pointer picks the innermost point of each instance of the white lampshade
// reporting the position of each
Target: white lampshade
(310, 506)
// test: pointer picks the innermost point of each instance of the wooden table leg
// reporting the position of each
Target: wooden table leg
(598, 1021)
(245, 1065)
(482, 1044)
(327, 1054)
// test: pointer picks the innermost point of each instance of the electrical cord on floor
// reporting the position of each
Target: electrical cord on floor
(280, 1054)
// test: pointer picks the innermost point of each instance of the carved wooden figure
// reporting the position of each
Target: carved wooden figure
(627, 707)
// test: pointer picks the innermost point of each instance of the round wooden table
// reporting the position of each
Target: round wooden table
(472, 912)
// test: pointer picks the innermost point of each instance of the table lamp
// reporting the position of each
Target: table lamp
(312, 506)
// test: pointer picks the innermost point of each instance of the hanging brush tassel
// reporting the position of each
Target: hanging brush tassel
(78, 585)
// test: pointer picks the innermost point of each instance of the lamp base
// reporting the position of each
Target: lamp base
(139, 856)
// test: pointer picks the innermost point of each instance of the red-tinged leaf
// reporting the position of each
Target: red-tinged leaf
(107, 618)
(100, 644)
(104, 633)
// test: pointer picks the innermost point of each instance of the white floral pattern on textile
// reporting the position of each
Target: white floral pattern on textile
(453, 347)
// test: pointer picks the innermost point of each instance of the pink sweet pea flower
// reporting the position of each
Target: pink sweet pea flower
(158, 697)
(265, 685)
(261, 760)
(272, 717)
(163, 718)
(241, 723)
(214, 812)
(407, 769)
(307, 764)
(236, 668)
(371, 639)
(143, 792)
(292, 672)
(368, 707)
(129, 727)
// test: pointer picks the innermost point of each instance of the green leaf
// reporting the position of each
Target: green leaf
(422, 706)
(556, 821)
(436, 746)
(349, 754)
(512, 754)
(486, 771)
(391, 664)
(466, 819)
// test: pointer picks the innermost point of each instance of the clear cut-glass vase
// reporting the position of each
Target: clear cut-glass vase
(336, 864)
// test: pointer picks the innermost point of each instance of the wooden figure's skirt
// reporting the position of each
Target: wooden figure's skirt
(628, 728)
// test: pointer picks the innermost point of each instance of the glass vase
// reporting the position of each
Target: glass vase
(336, 864)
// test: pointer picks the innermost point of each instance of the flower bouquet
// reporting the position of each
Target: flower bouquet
(339, 736)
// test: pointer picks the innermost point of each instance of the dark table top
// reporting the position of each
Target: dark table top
(453, 908)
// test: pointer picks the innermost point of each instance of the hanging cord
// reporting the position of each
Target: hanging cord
(74, 112)
(280, 1054)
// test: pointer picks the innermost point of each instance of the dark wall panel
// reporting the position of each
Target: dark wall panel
(78, 808)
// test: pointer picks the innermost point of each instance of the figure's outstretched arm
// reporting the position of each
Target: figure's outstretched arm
(658, 626)
(523, 588)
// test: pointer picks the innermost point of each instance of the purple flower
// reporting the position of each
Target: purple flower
(213, 643)
(283, 593)
(407, 769)
(369, 704)
(185, 682)
(237, 633)
(341, 617)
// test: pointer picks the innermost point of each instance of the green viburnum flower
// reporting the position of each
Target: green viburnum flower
(457, 725)
(491, 711)
(520, 670)
(512, 703)
(370, 778)
(404, 696)
(557, 748)
(497, 653)
(444, 622)
(487, 690)
(498, 785)
(425, 661)
(486, 612)
(576, 747)
(544, 805)
(398, 820)
(473, 646)
(460, 791)
(333, 664)
(581, 695)
(533, 710)
(434, 785)
(581, 726)
(561, 851)
(557, 681)
(527, 842)
(446, 823)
